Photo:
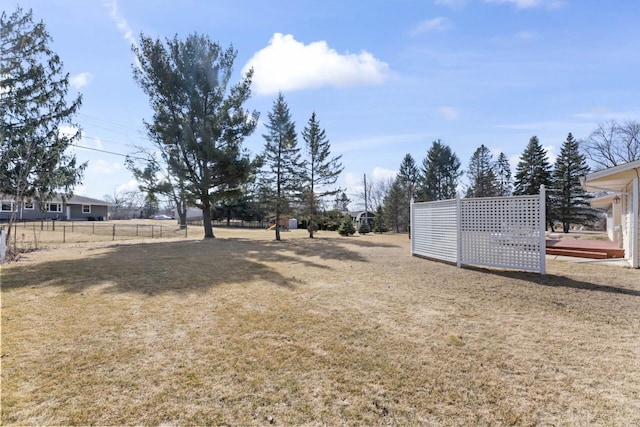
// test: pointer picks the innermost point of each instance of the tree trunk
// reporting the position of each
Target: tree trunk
(181, 208)
(311, 226)
(206, 219)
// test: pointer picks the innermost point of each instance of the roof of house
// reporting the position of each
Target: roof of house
(74, 200)
(613, 179)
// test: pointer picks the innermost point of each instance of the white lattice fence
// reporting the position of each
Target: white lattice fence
(434, 230)
(498, 231)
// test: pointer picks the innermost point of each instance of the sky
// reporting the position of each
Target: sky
(385, 78)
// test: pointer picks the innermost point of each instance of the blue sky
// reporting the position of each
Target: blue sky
(385, 78)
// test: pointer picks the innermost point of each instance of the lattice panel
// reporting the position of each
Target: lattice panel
(502, 232)
(434, 230)
(499, 231)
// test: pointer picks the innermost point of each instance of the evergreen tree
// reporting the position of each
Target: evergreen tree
(570, 202)
(379, 222)
(503, 175)
(342, 202)
(33, 112)
(409, 175)
(364, 227)
(321, 169)
(282, 159)
(397, 206)
(533, 170)
(199, 122)
(440, 173)
(482, 177)
(346, 227)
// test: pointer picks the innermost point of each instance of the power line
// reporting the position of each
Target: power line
(109, 152)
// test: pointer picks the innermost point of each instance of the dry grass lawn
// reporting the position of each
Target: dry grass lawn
(243, 330)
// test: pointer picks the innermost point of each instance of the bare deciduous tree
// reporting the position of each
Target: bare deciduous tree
(613, 143)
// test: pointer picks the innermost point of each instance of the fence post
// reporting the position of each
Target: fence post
(94, 228)
(185, 230)
(458, 231)
(72, 226)
(113, 233)
(543, 230)
(136, 230)
(3, 244)
(64, 233)
(161, 227)
(152, 231)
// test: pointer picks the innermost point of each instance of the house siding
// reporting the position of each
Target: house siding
(75, 211)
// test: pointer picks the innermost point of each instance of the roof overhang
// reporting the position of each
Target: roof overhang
(612, 179)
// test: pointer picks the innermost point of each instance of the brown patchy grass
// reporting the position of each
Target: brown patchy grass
(243, 330)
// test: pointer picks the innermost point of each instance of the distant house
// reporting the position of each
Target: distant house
(76, 208)
(623, 183)
(359, 216)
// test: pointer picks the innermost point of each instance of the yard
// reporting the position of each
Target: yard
(339, 331)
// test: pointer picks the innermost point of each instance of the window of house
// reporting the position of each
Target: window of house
(86, 208)
(54, 207)
(29, 206)
(6, 206)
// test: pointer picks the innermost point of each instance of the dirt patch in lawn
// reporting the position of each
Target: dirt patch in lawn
(341, 331)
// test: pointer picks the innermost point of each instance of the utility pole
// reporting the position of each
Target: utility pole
(366, 206)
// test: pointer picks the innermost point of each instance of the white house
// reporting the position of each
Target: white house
(623, 181)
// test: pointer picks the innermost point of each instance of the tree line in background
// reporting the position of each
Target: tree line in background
(199, 123)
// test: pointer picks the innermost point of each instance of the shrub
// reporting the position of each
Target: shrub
(346, 227)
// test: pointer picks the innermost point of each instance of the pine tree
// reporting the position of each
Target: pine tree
(321, 169)
(342, 202)
(533, 170)
(481, 173)
(440, 173)
(397, 206)
(346, 227)
(409, 175)
(379, 222)
(569, 200)
(33, 111)
(199, 120)
(503, 175)
(364, 227)
(282, 159)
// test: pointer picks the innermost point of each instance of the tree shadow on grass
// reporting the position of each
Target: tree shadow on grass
(553, 280)
(178, 266)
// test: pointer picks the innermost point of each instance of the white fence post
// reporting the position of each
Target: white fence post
(543, 230)
(3, 245)
(459, 230)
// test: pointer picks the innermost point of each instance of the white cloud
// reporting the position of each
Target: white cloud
(81, 80)
(436, 24)
(287, 64)
(525, 4)
(449, 113)
(382, 174)
(551, 153)
(131, 185)
(121, 22)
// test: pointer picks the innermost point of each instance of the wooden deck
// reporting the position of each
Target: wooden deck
(594, 249)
